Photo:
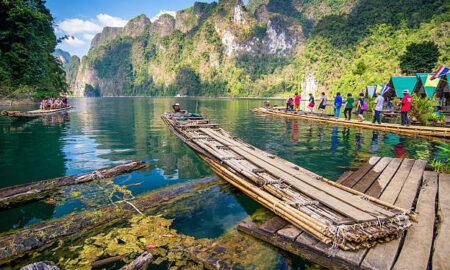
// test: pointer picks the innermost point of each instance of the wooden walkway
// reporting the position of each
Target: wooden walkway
(403, 182)
(425, 131)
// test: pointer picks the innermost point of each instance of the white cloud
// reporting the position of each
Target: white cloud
(76, 26)
(161, 12)
(88, 36)
(74, 41)
(108, 20)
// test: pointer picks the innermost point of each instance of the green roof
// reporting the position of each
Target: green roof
(428, 89)
(402, 83)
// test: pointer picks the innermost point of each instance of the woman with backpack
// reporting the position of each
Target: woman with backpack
(361, 107)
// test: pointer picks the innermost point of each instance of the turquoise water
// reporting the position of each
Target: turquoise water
(102, 132)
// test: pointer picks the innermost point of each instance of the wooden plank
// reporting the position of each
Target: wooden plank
(289, 232)
(273, 225)
(410, 188)
(372, 175)
(365, 168)
(335, 198)
(441, 253)
(383, 256)
(416, 248)
(344, 176)
(383, 180)
(391, 192)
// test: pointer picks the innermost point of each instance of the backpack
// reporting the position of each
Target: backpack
(364, 105)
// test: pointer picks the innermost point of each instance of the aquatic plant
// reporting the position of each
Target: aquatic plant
(441, 163)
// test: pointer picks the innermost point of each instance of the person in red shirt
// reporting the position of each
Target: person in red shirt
(406, 105)
(297, 101)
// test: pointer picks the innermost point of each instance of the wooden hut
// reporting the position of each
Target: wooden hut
(425, 86)
(443, 93)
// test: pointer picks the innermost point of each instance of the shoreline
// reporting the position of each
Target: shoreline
(17, 102)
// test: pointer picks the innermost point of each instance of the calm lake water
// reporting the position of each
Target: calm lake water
(102, 132)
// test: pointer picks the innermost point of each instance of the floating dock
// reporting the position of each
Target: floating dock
(426, 131)
(331, 213)
(403, 182)
(35, 113)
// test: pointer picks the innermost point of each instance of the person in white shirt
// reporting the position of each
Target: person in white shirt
(377, 108)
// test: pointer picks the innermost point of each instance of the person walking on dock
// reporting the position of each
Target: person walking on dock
(361, 107)
(323, 103)
(377, 108)
(348, 106)
(337, 105)
(311, 103)
(297, 101)
(406, 105)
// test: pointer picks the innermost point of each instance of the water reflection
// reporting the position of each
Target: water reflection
(105, 131)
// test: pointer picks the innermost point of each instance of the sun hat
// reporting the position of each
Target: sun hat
(406, 91)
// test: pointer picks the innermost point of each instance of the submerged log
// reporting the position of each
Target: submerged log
(16, 243)
(21, 194)
(140, 263)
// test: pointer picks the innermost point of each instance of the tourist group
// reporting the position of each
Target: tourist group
(54, 103)
(293, 104)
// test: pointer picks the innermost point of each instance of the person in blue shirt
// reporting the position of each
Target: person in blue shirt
(337, 105)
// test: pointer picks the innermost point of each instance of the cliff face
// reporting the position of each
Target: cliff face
(266, 47)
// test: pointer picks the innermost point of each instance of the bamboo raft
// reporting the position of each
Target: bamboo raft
(426, 131)
(332, 213)
(34, 113)
(403, 182)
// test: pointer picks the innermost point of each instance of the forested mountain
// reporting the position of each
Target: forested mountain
(62, 56)
(264, 48)
(27, 41)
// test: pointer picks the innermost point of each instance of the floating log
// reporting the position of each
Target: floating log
(21, 194)
(416, 130)
(330, 212)
(140, 263)
(35, 113)
(16, 243)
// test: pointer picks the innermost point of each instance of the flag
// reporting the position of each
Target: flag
(379, 88)
(385, 89)
(432, 83)
(440, 72)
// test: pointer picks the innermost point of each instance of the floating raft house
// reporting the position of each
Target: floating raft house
(35, 113)
(333, 214)
(426, 131)
(403, 182)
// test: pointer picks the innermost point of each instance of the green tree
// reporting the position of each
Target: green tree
(419, 58)
(27, 42)
(361, 67)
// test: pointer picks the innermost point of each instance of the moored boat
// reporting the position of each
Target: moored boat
(34, 113)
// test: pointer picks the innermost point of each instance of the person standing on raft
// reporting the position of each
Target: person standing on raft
(337, 105)
(377, 108)
(406, 105)
(297, 99)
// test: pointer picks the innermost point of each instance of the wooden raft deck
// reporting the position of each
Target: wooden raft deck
(425, 131)
(403, 182)
(35, 113)
(332, 213)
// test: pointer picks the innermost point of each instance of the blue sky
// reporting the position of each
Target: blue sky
(82, 19)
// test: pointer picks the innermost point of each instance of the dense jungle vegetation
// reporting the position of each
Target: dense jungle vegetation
(336, 36)
(27, 41)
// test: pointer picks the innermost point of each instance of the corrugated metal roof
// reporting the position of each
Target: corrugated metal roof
(402, 83)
